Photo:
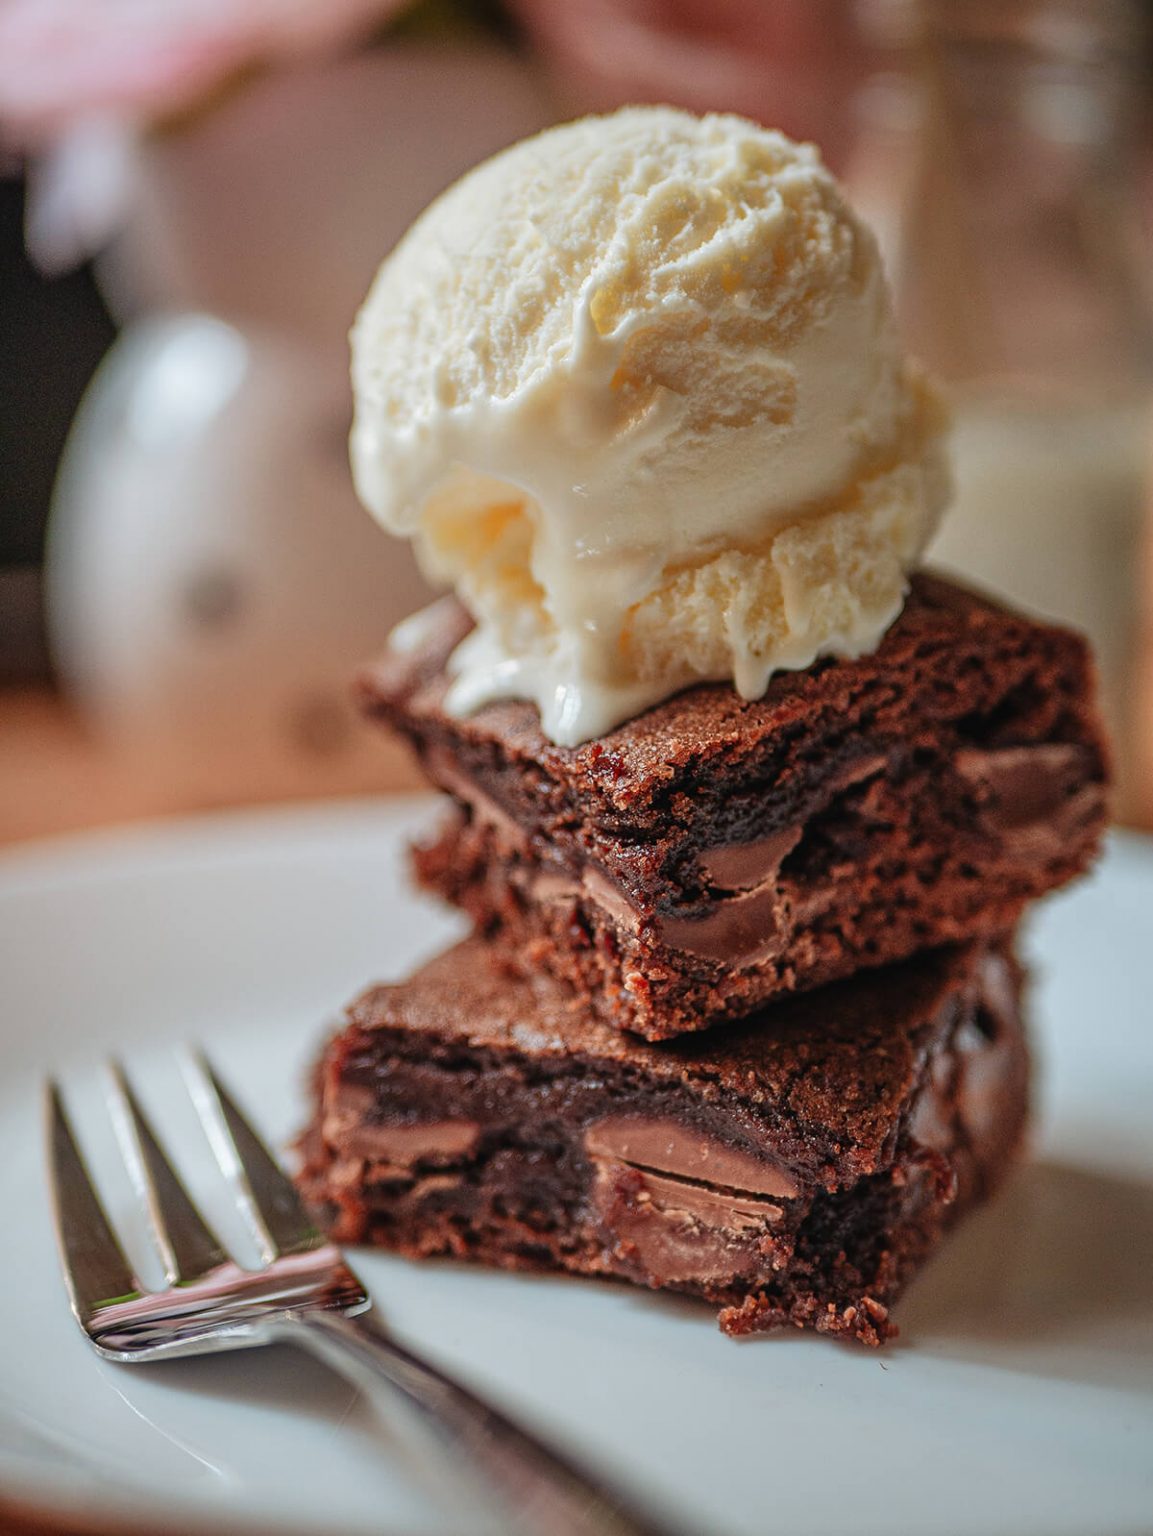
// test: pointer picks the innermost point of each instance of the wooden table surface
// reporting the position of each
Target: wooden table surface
(56, 776)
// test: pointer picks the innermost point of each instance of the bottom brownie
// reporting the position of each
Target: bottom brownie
(795, 1169)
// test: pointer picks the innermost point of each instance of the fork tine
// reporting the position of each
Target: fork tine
(95, 1268)
(188, 1246)
(275, 1210)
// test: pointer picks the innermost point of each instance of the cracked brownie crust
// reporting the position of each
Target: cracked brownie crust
(794, 1169)
(715, 853)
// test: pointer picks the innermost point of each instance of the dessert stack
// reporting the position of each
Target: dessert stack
(744, 808)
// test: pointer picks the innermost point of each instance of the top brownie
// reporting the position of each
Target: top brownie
(715, 852)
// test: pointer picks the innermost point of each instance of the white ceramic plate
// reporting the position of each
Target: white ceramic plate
(1019, 1399)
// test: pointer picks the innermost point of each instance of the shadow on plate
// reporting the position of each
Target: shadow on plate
(1053, 1279)
(281, 1376)
(278, 1376)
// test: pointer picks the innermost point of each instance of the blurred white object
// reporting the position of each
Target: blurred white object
(1022, 275)
(1050, 514)
(213, 582)
(79, 191)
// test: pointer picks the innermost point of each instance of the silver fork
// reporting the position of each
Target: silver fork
(305, 1293)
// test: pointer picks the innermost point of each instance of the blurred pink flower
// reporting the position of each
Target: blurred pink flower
(65, 61)
(793, 64)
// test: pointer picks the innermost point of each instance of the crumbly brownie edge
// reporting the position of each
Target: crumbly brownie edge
(889, 867)
(693, 772)
(835, 1263)
(625, 866)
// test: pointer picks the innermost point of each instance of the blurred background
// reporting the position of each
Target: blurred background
(194, 195)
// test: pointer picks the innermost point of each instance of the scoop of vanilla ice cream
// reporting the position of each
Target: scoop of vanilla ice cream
(634, 387)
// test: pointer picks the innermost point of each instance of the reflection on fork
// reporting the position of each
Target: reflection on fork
(304, 1292)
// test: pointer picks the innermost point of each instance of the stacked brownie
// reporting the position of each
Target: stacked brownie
(740, 1016)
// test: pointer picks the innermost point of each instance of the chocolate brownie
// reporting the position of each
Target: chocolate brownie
(715, 853)
(794, 1169)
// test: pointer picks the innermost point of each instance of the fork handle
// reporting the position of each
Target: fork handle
(544, 1491)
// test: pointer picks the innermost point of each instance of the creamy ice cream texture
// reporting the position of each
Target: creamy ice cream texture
(634, 387)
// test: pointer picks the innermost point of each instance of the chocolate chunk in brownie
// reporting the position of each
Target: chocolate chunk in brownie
(715, 853)
(793, 1169)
